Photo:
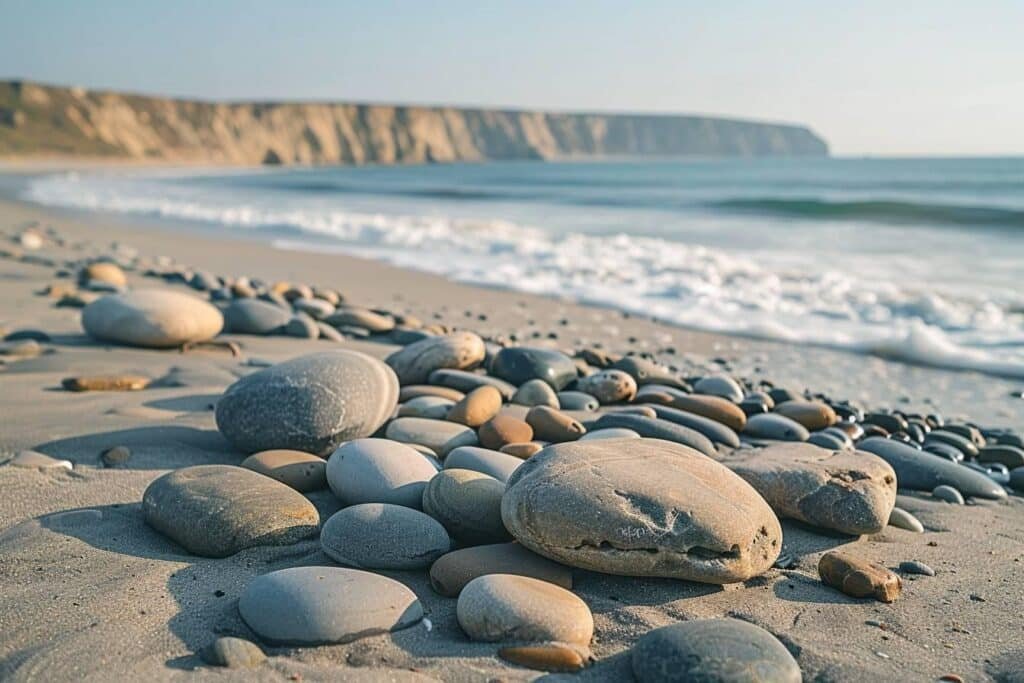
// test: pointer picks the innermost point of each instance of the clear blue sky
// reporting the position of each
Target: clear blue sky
(873, 77)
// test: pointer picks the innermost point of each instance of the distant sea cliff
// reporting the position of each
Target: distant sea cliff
(40, 121)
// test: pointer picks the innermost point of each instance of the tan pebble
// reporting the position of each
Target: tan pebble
(302, 471)
(644, 411)
(280, 287)
(412, 391)
(479, 406)
(522, 450)
(502, 430)
(813, 415)
(553, 425)
(858, 577)
(118, 455)
(106, 383)
(554, 657)
(103, 271)
(58, 290)
(609, 386)
(712, 407)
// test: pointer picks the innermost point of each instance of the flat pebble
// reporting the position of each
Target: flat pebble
(254, 316)
(536, 392)
(948, 494)
(609, 386)
(610, 433)
(430, 407)
(468, 504)
(519, 364)
(553, 425)
(720, 385)
(233, 653)
(440, 436)
(325, 605)
(301, 471)
(775, 427)
(502, 430)
(492, 463)
(38, 461)
(384, 536)
(506, 607)
(379, 471)
(915, 567)
(576, 400)
(902, 519)
(414, 363)
(157, 318)
(450, 573)
(478, 406)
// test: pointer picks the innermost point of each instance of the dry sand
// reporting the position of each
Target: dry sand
(90, 592)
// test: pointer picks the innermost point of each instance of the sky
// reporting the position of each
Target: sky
(892, 78)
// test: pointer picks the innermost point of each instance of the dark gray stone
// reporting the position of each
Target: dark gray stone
(714, 430)
(775, 427)
(519, 364)
(253, 316)
(464, 381)
(921, 471)
(657, 429)
(384, 536)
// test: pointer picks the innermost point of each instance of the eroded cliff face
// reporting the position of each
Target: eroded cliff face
(46, 121)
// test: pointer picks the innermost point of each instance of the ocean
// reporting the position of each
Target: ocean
(913, 259)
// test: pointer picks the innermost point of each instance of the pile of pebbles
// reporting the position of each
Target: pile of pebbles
(499, 468)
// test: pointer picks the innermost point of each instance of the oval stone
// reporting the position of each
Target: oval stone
(506, 607)
(414, 363)
(465, 381)
(921, 471)
(712, 429)
(492, 463)
(576, 400)
(609, 386)
(720, 385)
(610, 433)
(553, 425)
(311, 403)
(479, 406)
(450, 574)
(430, 407)
(775, 427)
(813, 415)
(324, 605)
(384, 536)
(503, 429)
(379, 471)
(468, 504)
(519, 364)
(657, 429)
(302, 471)
(155, 318)
(536, 392)
(712, 651)
(439, 436)
(596, 505)
(218, 510)
(253, 316)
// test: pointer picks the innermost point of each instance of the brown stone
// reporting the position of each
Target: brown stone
(522, 450)
(553, 425)
(813, 415)
(302, 471)
(502, 430)
(479, 406)
(554, 657)
(858, 577)
(106, 383)
(451, 572)
(712, 407)
(103, 271)
(412, 391)
(609, 386)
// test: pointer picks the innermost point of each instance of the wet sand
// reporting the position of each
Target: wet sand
(91, 592)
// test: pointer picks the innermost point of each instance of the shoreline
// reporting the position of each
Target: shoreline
(94, 593)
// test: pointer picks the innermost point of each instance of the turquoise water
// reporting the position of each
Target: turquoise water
(915, 259)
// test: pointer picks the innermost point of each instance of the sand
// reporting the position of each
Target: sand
(90, 592)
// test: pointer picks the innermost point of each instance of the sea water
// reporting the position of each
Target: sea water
(914, 259)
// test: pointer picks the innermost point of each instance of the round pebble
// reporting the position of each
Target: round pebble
(468, 504)
(553, 425)
(156, 318)
(384, 536)
(609, 386)
(379, 471)
(492, 463)
(479, 406)
(505, 607)
(948, 494)
(302, 471)
(536, 392)
(440, 436)
(450, 574)
(503, 429)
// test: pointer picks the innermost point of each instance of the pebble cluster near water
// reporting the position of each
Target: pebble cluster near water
(500, 468)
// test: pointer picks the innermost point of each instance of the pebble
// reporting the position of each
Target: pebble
(450, 573)
(712, 429)
(519, 364)
(653, 428)
(233, 653)
(522, 450)
(853, 493)
(1017, 478)
(902, 519)
(962, 444)
(813, 415)
(915, 567)
(827, 440)
(414, 363)
(384, 536)
(106, 383)
(553, 425)
(325, 605)
(352, 316)
(609, 386)
(22, 335)
(492, 463)
(506, 607)
(28, 348)
(301, 471)
(328, 333)
(318, 309)
(723, 386)
(576, 400)
(775, 427)
(156, 318)
(468, 504)
(858, 577)
(379, 471)
(465, 381)
(116, 456)
(712, 651)
(610, 433)
(439, 436)
(478, 406)
(554, 657)
(921, 471)
(646, 372)
(430, 407)
(38, 461)
(218, 510)
(712, 407)
(412, 391)
(103, 271)
(502, 430)
(948, 493)
(1011, 456)
(536, 392)
(254, 316)
(302, 326)
(311, 403)
(588, 505)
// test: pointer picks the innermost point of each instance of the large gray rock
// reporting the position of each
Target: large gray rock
(253, 316)
(379, 471)
(384, 536)
(851, 492)
(323, 605)
(641, 507)
(311, 403)
(218, 510)
(155, 318)
(506, 607)
(414, 363)
(918, 470)
(712, 651)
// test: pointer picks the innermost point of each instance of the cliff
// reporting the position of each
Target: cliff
(45, 121)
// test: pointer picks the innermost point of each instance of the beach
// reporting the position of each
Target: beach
(92, 592)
